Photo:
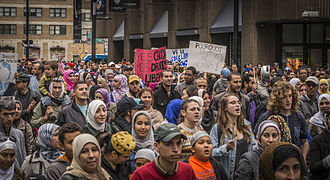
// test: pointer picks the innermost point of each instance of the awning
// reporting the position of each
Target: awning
(224, 22)
(119, 35)
(160, 30)
(187, 32)
(135, 36)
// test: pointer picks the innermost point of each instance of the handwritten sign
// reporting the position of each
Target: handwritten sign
(178, 55)
(8, 67)
(206, 57)
(149, 64)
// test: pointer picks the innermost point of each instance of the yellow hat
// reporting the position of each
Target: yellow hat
(133, 78)
(123, 142)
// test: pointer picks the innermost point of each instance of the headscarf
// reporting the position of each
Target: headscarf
(148, 141)
(106, 96)
(261, 129)
(67, 80)
(173, 111)
(294, 81)
(106, 76)
(121, 91)
(92, 108)
(44, 138)
(324, 81)
(275, 153)
(317, 119)
(59, 99)
(9, 173)
(283, 127)
(200, 92)
(75, 168)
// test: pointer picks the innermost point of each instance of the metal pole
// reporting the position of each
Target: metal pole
(27, 13)
(93, 12)
(235, 36)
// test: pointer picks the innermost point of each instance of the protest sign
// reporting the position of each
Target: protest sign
(178, 55)
(206, 57)
(149, 64)
(8, 67)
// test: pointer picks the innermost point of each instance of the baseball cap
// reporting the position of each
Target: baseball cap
(167, 131)
(133, 78)
(111, 63)
(128, 103)
(117, 66)
(312, 79)
(123, 142)
(22, 77)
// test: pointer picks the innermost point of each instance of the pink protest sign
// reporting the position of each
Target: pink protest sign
(149, 64)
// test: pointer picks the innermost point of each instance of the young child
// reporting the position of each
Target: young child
(51, 72)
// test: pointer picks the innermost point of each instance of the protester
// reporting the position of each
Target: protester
(120, 88)
(248, 166)
(263, 85)
(308, 102)
(302, 74)
(7, 157)
(47, 152)
(51, 72)
(324, 87)
(316, 125)
(66, 135)
(231, 136)
(146, 96)
(142, 157)
(201, 83)
(166, 165)
(208, 115)
(282, 161)
(189, 92)
(109, 75)
(165, 93)
(190, 76)
(221, 84)
(103, 95)
(173, 111)
(37, 71)
(69, 78)
(134, 86)
(204, 166)
(319, 154)
(86, 161)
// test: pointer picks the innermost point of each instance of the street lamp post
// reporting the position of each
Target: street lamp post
(27, 13)
(235, 38)
(93, 12)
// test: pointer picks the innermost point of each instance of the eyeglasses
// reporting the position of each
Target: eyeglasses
(10, 138)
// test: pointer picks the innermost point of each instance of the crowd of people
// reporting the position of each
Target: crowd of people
(100, 121)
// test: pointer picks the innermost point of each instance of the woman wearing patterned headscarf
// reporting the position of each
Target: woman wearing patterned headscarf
(86, 148)
(120, 87)
(48, 150)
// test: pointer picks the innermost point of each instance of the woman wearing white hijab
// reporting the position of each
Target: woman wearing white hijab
(7, 158)
(86, 162)
(316, 125)
(96, 119)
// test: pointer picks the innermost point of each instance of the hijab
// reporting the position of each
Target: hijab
(148, 141)
(324, 81)
(274, 154)
(261, 129)
(44, 138)
(75, 168)
(317, 119)
(121, 91)
(173, 111)
(106, 96)
(294, 81)
(68, 82)
(51, 90)
(106, 76)
(283, 127)
(92, 108)
(9, 173)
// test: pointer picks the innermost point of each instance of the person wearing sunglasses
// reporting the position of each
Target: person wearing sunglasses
(308, 102)
(7, 157)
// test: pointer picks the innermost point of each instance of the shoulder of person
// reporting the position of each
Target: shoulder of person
(69, 177)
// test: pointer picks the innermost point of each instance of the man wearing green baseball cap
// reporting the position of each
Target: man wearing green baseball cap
(168, 144)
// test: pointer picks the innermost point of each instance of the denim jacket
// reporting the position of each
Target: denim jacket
(227, 158)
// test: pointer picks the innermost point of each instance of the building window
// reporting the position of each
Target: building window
(7, 28)
(35, 12)
(7, 11)
(57, 29)
(87, 17)
(292, 33)
(34, 29)
(57, 12)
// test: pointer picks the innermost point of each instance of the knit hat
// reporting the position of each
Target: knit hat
(123, 142)
(198, 135)
(146, 154)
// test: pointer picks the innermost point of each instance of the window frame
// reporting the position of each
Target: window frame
(57, 30)
(12, 12)
(33, 29)
(36, 12)
(9, 29)
(57, 12)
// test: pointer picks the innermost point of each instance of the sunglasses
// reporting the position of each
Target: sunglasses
(311, 84)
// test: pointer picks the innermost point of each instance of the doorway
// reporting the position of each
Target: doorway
(317, 56)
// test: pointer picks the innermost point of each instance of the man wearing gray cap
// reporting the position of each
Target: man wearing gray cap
(166, 166)
(308, 102)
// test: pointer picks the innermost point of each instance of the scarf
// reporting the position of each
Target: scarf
(324, 81)
(317, 119)
(9, 173)
(45, 135)
(58, 100)
(121, 91)
(283, 127)
(92, 108)
(173, 111)
(294, 81)
(106, 96)
(148, 141)
(106, 76)
(68, 82)
(261, 129)
(75, 168)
